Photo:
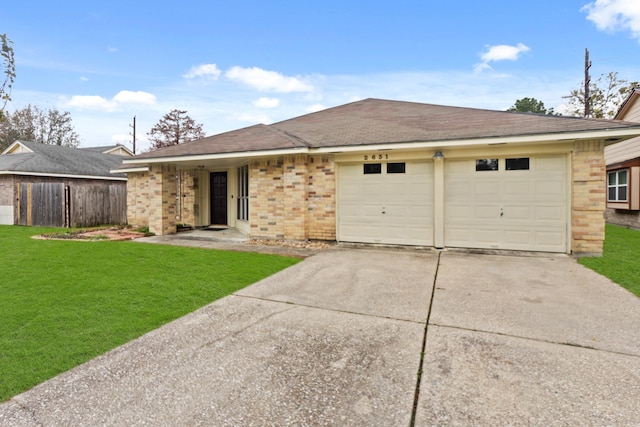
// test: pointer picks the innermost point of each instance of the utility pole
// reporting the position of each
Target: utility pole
(587, 80)
(134, 134)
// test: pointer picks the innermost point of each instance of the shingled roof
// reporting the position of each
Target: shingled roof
(59, 161)
(378, 121)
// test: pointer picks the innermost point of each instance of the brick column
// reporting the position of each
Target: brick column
(588, 192)
(138, 199)
(295, 192)
(321, 198)
(162, 199)
(266, 198)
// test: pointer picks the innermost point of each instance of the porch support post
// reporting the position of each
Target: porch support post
(162, 199)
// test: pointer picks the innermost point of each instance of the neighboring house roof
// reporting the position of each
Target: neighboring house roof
(627, 105)
(32, 158)
(118, 150)
(629, 150)
(377, 121)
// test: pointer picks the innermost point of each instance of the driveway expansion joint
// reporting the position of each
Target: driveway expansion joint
(416, 395)
(334, 310)
(567, 344)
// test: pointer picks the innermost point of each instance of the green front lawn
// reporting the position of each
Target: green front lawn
(620, 260)
(65, 302)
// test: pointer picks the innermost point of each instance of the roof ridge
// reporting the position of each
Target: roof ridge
(294, 138)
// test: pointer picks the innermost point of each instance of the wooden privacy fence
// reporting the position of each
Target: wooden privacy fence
(54, 204)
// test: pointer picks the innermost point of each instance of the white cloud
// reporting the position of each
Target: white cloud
(84, 79)
(205, 71)
(95, 102)
(112, 49)
(503, 52)
(264, 102)
(138, 97)
(615, 15)
(500, 52)
(264, 80)
(90, 102)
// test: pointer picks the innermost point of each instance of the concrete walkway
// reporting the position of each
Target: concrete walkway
(338, 340)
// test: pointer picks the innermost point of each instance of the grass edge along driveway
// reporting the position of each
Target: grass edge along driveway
(63, 303)
(620, 260)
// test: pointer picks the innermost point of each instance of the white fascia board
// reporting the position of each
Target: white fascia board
(61, 175)
(523, 139)
(131, 170)
(223, 156)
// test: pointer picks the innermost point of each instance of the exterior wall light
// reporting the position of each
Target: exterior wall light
(438, 155)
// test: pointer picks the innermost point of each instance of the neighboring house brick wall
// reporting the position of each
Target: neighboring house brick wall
(138, 199)
(624, 218)
(162, 199)
(588, 197)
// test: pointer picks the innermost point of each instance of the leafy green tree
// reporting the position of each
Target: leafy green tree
(531, 105)
(606, 94)
(34, 124)
(175, 127)
(8, 63)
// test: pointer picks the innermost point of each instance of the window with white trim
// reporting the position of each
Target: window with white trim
(617, 186)
(243, 193)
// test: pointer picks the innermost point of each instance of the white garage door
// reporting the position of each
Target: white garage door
(388, 203)
(507, 203)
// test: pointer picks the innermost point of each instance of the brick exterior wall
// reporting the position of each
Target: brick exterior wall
(138, 199)
(321, 198)
(293, 198)
(588, 201)
(162, 199)
(266, 198)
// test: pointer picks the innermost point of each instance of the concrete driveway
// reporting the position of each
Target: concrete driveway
(365, 337)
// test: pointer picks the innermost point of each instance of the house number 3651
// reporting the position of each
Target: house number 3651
(376, 157)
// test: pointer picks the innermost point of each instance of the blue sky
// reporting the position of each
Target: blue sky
(235, 64)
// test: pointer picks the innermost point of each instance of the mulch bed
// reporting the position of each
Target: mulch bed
(95, 234)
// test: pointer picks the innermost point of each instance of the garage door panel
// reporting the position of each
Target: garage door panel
(485, 212)
(533, 204)
(457, 191)
(517, 188)
(550, 164)
(517, 237)
(395, 208)
(486, 188)
(517, 213)
(549, 213)
(457, 213)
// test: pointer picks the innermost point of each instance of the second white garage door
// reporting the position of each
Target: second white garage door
(507, 203)
(389, 203)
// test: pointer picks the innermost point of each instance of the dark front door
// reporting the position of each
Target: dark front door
(219, 198)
